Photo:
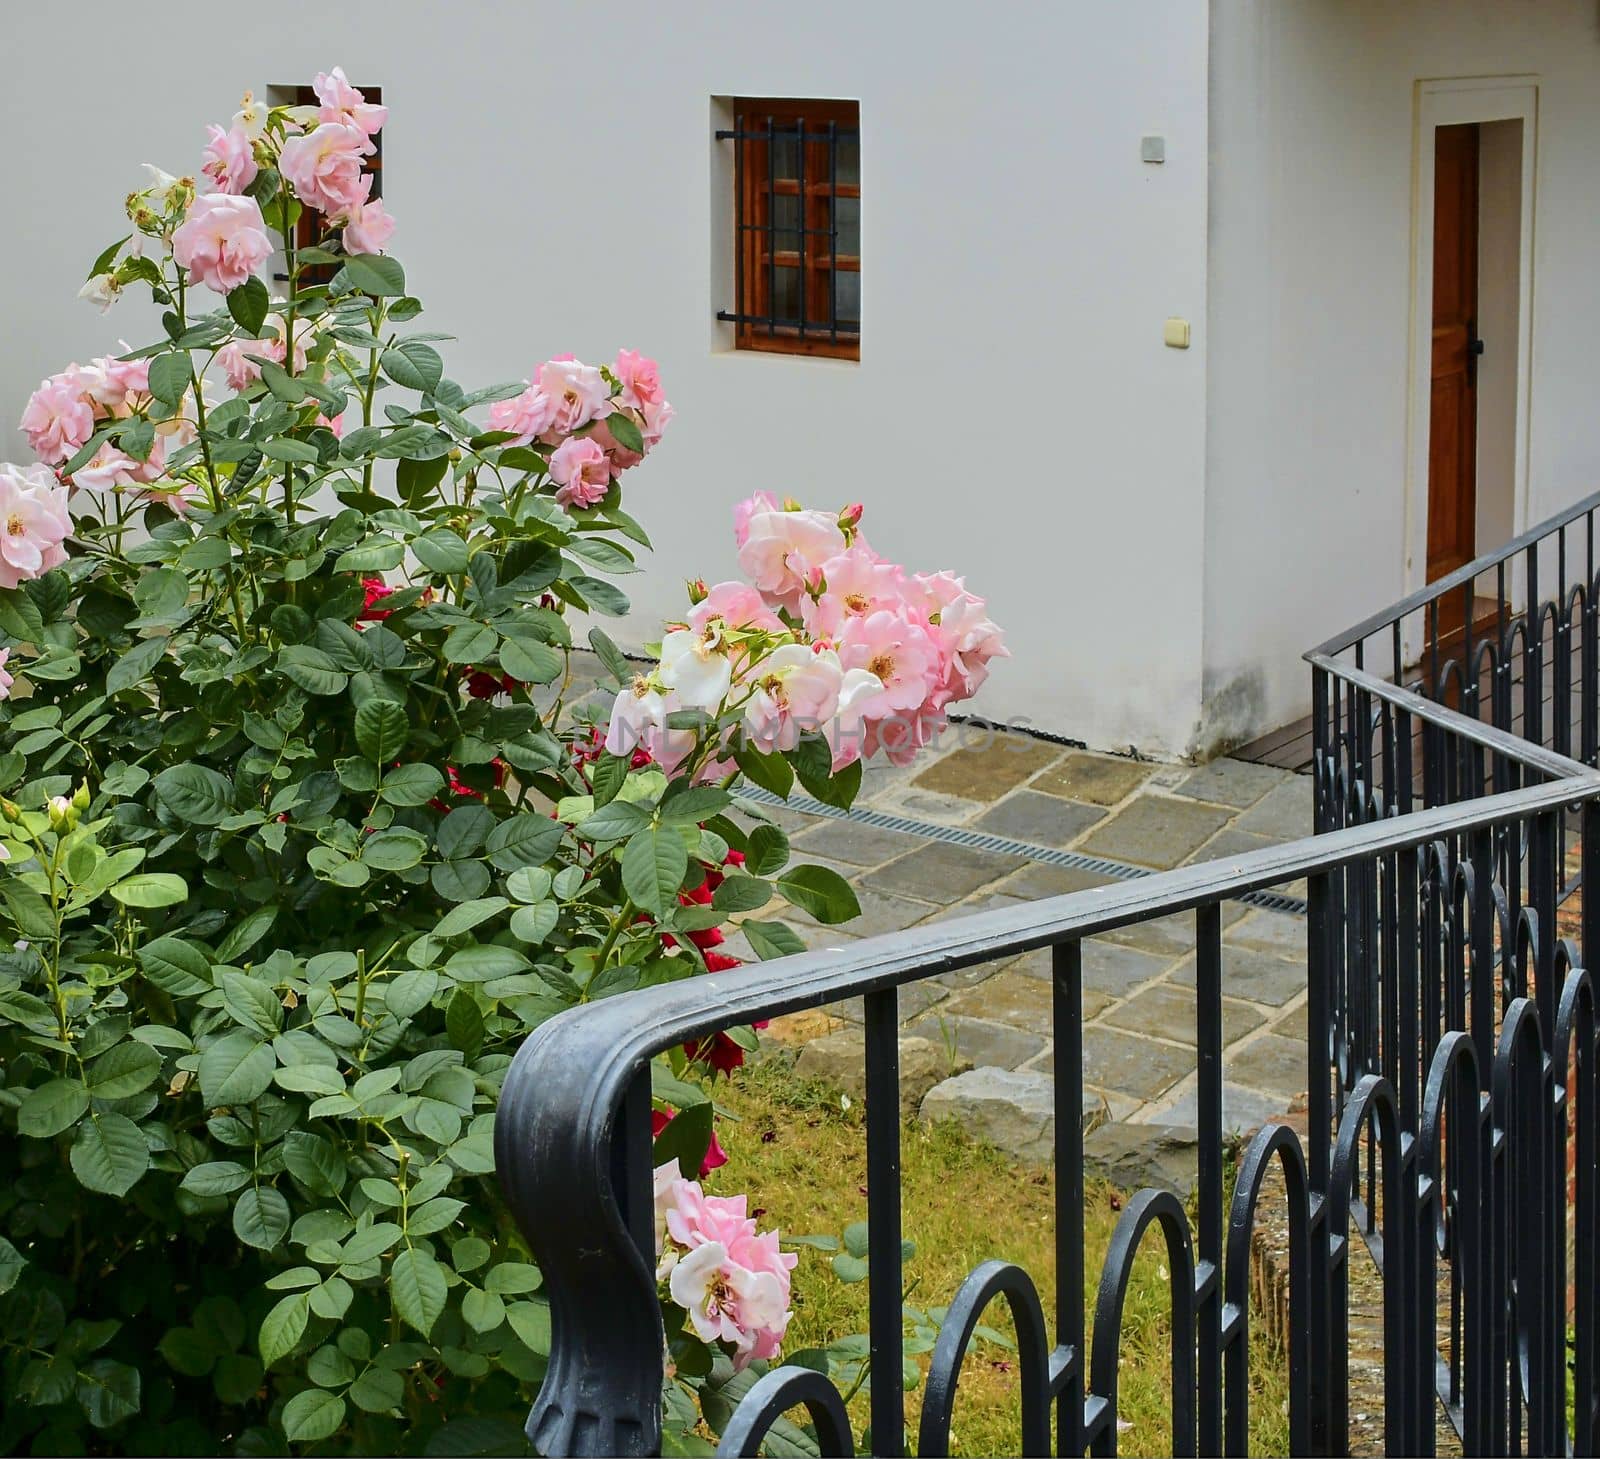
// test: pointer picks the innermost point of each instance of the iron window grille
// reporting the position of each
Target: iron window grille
(797, 226)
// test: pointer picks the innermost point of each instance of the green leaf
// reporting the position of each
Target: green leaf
(523, 840)
(236, 1378)
(769, 851)
(283, 1327)
(251, 1002)
(813, 763)
(109, 1154)
(625, 432)
(151, 889)
(770, 772)
(686, 1139)
(124, 1070)
(531, 1322)
(771, 939)
(397, 849)
(694, 803)
(615, 821)
(849, 1269)
(312, 1415)
(378, 1390)
(534, 924)
(261, 1217)
(508, 1278)
(175, 966)
(855, 1238)
(236, 1069)
(382, 730)
(282, 384)
(52, 1108)
(215, 1178)
(463, 1022)
(311, 669)
(414, 365)
(409, 785)
(314, 1161)
(482, 1311)
(134, 666)
(653, 866)
(12, 1262)
(468, 915)
(170, 375)
(741, 894)
(441, 551)
(248, 305)
(600, 595)
(247, 933)
(823, 893)
(376, 274)
(108, 1392)
(609, 655)
(411, 992)
(417, 1288)
(529, 662)
(607, 776)
(470, 643)
(196, 794)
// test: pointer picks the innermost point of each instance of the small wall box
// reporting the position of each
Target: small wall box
(1176, 334)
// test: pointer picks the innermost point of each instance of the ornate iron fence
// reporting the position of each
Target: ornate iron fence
(1465, 1162)
(1451, 1106)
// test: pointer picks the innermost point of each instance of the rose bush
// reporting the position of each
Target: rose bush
(302, 833)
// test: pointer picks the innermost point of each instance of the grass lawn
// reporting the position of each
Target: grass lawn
(799, 1150)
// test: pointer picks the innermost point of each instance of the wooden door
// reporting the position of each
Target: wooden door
(1453, 414)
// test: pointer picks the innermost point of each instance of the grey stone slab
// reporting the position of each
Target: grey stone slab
(1014, 999)
(879, 913)
(1272, 1064)
(1043, 820)
(840, 1059)
(1096, 779)
(978, 1040)
(1242, 1109)
(1168, 1011)
(1283, 813)
(791, 820)
(1246, 973)
(1132, 1157)
(1163, 935)
(1138, 1067)
(986, 770)
(1156, 830)
(928, 805)
(1235, 783)
(1293, 1024)
(940, 872)
(1107, 967)
(1230, 844)
(1280, 933)
(1012, 1110)
(1041, 879)
(853, 842)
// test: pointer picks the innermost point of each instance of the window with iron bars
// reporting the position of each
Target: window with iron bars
(797, 226)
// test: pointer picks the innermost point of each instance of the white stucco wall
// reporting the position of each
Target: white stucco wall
(1014, 415)
(1310, 298)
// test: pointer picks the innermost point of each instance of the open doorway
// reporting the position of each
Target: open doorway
(1471, 326)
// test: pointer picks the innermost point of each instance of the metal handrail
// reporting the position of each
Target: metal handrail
(1432, 592)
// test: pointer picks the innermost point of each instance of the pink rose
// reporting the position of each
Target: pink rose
(762, 501)
(343, 105)
(525, 416)
(58, 418)
(737, 604)
(222, 241)
(110, 383)
(901, 652)
(577, 394)
(657, 417)
(175, 496)
(33, 523)
(324, 167)
(967, 635)
(640, 377)
(6, 681)
(239, 372)
(619, 456)
(854, 584)
(581, 472)
(230, 162)
(368, 228)
(781, 548)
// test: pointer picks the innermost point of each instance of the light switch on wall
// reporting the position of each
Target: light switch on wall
(1152, 149)
(1176, 334)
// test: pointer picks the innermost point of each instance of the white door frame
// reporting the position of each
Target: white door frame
(1440, 103)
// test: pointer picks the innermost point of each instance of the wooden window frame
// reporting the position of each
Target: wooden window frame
(755, 188)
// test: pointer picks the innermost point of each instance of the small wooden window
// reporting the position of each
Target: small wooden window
(310, 228)
(797, 230)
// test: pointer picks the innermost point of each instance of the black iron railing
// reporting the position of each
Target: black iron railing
(1448, 1148)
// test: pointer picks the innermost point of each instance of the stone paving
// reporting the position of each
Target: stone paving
(1138, 998)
